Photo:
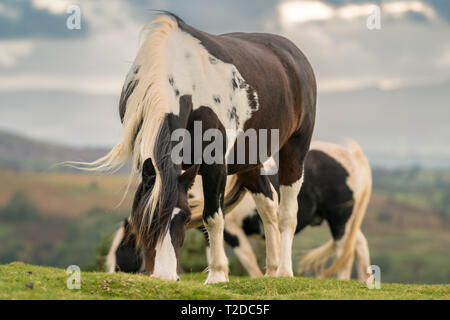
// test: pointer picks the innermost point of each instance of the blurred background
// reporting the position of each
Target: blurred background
(387, 88)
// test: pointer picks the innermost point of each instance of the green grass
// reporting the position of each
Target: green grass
(50, 283)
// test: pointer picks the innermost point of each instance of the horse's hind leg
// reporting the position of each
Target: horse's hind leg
(237, 239)
(266, 201)
(344, 272)
(362, 256)
(290, 177)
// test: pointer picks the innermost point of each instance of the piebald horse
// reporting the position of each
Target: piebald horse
(336, 189)
(236, 81)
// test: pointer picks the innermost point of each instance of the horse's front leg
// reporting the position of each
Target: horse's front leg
(214, 179)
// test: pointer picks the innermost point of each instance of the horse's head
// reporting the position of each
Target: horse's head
(128, 258)
(162, 237)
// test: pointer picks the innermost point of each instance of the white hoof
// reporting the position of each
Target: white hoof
(166, 276)
(282, 272)
(216, 277)
(271, 273)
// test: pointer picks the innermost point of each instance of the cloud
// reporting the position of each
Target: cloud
(52, 6)
(294, 12)
(12, 50)
(36, 19)
(347, 56)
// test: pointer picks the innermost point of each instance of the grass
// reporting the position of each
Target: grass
(50, 283)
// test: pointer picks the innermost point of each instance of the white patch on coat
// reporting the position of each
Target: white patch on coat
(190, 66)
(267, 209)
(165, 257)
(111, 257)
(287, 215)
(218, 263)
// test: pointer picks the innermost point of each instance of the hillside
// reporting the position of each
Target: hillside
(65, 194)
(50, 283)
(17, 152)
(59, 219)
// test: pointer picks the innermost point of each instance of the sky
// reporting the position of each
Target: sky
(387, 88)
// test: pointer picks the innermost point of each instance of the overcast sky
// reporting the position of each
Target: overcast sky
(389, 89)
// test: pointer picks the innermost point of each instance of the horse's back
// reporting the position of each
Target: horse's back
(275, 67)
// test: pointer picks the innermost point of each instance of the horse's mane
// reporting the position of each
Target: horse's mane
(143, 105)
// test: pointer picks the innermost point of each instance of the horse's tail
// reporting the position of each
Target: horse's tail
(316, 259)
(233, 192)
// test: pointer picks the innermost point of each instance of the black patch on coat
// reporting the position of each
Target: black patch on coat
(232, 115)
(217, 99)
(202, 229)
(171, 81)
(126, 93)
(212, 60)
(234, 83)
(231, 239)
(252, 224)
(325, 194)
(128, 256)
(252, 98)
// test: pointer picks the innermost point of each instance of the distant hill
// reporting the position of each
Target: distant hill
(22, 153)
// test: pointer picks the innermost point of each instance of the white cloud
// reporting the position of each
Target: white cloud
(294, 12)
(12, 50)
(347, 56)
(52, 6)
(399, 8)
(304, 11)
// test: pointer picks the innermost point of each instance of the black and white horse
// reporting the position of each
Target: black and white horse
(336, 189)
(235, 81)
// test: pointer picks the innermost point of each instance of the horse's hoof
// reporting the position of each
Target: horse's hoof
(271, 273)
(169, 277)
(216, 277)
(284, 273)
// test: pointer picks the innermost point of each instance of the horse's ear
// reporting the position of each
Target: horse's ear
(148, 170)
(188, 177)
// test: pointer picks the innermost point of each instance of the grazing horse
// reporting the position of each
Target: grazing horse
(337, 189)
(234, 81)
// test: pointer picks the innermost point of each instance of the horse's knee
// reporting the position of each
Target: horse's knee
(214, 222)
(287, 219)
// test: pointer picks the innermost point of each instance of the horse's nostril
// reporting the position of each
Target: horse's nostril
(178, 278)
